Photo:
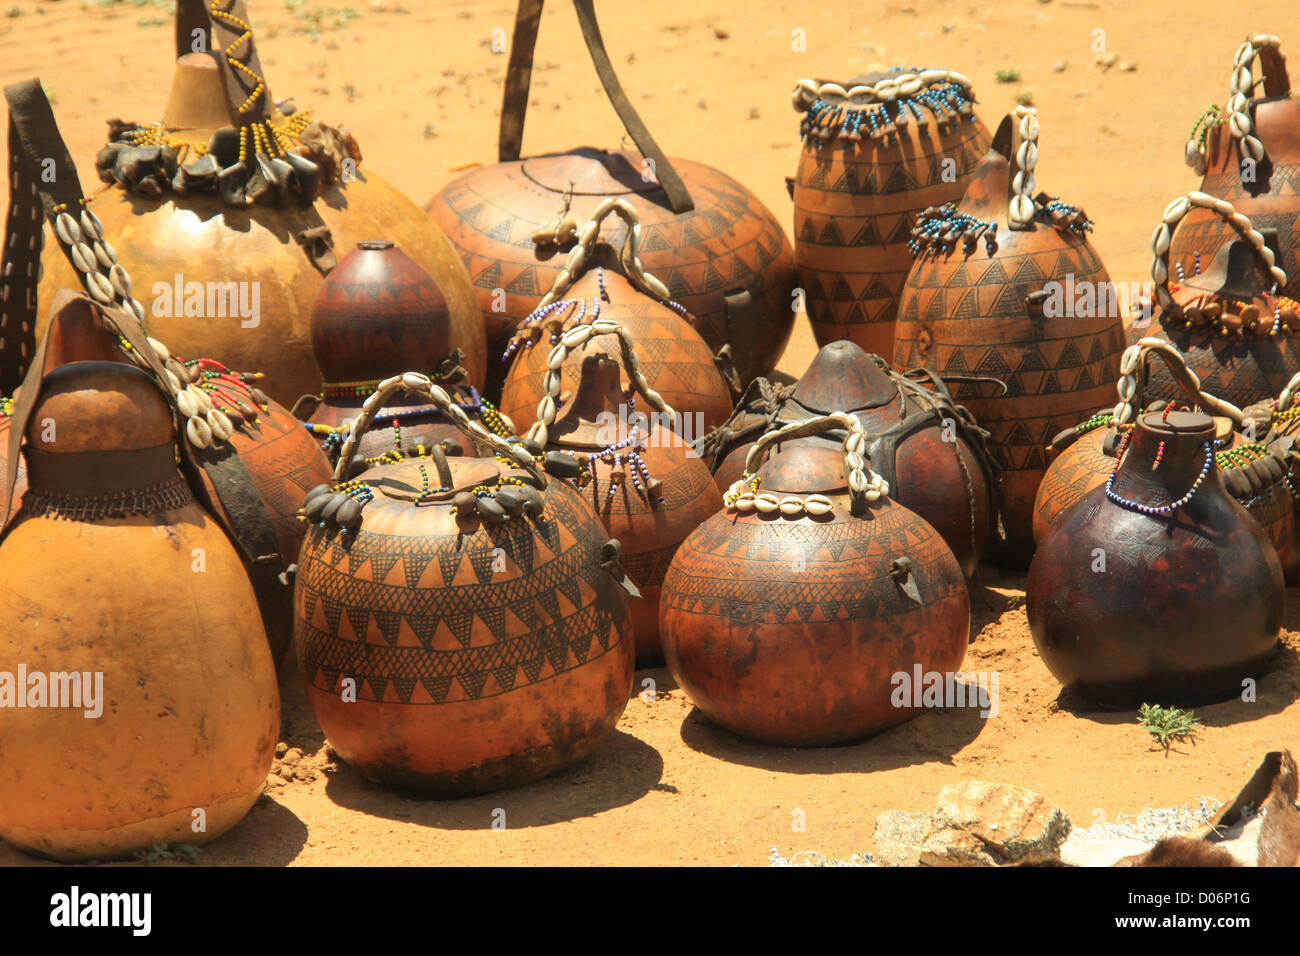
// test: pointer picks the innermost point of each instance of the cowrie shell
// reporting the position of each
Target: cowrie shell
(817, 505)
(744, 502)
(791, 505)
(766, 503)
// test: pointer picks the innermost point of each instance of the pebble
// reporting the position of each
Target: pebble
(1059, 66)
(281, 748)
(291, 756)
(1106, 60)
(720, 31)
(1128, 66)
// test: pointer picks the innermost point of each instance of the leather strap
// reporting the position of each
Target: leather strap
(519, 78)
(42, 177)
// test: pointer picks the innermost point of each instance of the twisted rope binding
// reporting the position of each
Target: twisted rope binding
(865, 486)
(1174, 214)
(1133, 376)
(422, 385)
(575, 338)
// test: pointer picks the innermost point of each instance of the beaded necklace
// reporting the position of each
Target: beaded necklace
(1161, 510)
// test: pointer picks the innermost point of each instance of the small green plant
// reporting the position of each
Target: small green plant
(1026, 98)
(162, 851)
(14, 12)
(1169, 724)
(1008, 76)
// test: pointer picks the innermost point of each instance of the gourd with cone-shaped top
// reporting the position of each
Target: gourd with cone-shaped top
(1007, 286)
(232, 188)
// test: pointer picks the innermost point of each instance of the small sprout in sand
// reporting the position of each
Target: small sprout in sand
(162, 851)
(1026, 98)
(1008, 76)
(1169, 724)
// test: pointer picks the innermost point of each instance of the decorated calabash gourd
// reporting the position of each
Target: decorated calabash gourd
(649, 488)
(673, 357)
(721, 253)
(116, 576)
(928, 449)
(1254, 459)
(785, 616)
(230, 188)
(984, 299)
(1249, 155)
(252, 455)
(1229, 316)
(377, 314)
(876, 152)
(1158, 586)
(461, 626)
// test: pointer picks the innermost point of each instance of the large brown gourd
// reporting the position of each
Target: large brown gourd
(876, 152)
(787, 616)
(118, 580)
(264, 207)
(1158, 587)
(1007, 286)
(647, 485)
(928, 449)
(465, 632)
(720, 252)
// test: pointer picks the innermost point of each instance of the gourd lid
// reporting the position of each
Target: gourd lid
(844, 378)
(1178, 423)
(99, 406)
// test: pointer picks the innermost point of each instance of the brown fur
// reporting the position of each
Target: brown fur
(1181, 851)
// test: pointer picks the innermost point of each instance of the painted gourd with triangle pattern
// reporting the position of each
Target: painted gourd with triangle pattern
(727, 260)
(674, 358)
(978, 312)
(650, 519)
(855, 202)
(378, 314)
(1242, 369)
(476, 659)
(789, 629)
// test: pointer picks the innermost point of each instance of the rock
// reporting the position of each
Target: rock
(281, 748)
(1106, 60)
(1059, 66)
(720, 31)
(1128, 66)
(899, 836)
(291, 756)
(991, 824)
(1082, 849)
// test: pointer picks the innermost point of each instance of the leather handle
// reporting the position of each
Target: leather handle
(514, 106)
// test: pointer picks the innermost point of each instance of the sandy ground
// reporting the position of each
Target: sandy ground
(419, 83)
